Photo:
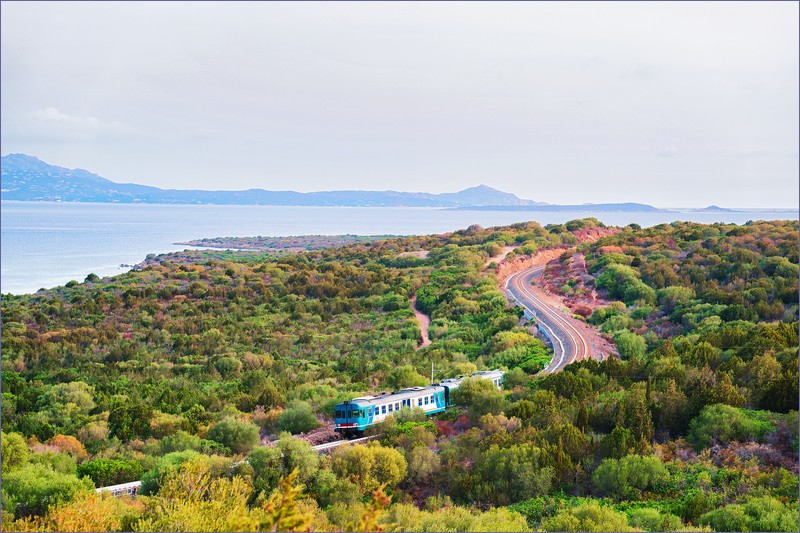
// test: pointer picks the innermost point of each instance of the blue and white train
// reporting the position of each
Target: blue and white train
(358, 414)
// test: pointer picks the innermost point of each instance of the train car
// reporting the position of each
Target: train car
(496, 376)
(452, 384)
(360, 413)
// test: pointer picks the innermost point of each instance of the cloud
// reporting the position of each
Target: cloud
(51, 124)
(668, 151)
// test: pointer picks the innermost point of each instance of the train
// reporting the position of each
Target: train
(356, 415)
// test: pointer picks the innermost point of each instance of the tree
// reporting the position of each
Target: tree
(390, 466)
(617, 444)
(67, 405)
(405, 376)
(722, 423)
(506, 475)
(297, 418)
(192, 499)
(516, 377)
(89, 511)
(480, 396)
(633, 413)
(129, 420)
(582, 419)
(15, 451)
(630, 345)
(68, 444)
(671, 409)
(369, 466)
(31, 489)
(152, 479)
(289, 454)
(422, 464)
(105, 472)
(239, 436)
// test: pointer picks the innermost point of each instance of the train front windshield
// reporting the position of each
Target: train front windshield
(350, 416)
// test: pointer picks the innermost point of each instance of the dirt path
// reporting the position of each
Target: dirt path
(424, 323)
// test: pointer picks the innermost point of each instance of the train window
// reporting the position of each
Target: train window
(391, 408)
(419, 402)
(397, 406)
(426, 400)
(432, 398)
(383, 409)
(369, 411)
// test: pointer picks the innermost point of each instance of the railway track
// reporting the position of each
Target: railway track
(132, 488)
(569, 344)
(323, 448)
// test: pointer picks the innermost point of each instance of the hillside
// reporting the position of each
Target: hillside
(174, 373)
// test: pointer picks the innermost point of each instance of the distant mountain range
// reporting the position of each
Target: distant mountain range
(26, 178)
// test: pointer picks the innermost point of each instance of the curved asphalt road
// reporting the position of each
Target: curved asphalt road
(569, 345)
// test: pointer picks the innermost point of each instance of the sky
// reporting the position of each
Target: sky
(670, 104)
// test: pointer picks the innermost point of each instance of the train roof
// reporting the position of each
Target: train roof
(412, 392)
(488, 374)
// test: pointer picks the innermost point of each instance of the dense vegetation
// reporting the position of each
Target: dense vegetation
(175, 373)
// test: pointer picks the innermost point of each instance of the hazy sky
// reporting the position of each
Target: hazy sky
(672, 104)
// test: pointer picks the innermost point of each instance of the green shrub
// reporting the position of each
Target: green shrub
(297, 418)
(33, 488)
(238, 435)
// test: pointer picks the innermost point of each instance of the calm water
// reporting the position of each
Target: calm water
(47, 244)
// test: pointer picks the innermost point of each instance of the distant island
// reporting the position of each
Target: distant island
(296, 243)
(27, 178)
(627, 206)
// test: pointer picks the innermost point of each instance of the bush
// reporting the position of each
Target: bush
(587, 517)
(238, 435)
(480, 396)
(405, 376)
(105, 472)
(297, 418)
(758, 514)
(15, 451)
(626, 478)
(271, 463)
(179, 442)
(33, 488)
(653, 520)
(630, 345)
(722, 423)
(369, 466)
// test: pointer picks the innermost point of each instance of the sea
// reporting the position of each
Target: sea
(47, 244)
